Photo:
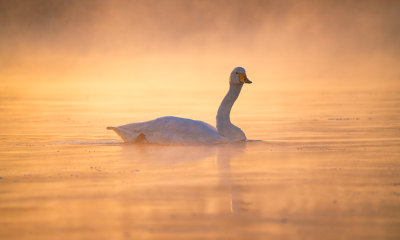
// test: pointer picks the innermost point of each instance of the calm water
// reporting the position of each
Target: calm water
(328, 167)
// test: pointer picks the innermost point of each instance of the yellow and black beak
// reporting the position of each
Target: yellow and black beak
(243, 78)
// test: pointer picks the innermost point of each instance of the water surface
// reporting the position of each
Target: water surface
(327, 167)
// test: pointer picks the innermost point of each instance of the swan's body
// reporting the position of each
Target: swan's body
(170, 130)
(176, 131)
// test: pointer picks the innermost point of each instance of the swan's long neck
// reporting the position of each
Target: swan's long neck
(224, 125)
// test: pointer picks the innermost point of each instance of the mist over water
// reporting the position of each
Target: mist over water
(283, 44)
(324, 101)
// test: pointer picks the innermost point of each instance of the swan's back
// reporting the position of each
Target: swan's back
(171, 130)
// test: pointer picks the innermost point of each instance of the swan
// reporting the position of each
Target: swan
(180, 131)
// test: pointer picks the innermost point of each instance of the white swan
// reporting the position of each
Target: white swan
(178, 131)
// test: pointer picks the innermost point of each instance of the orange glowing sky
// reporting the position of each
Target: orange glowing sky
(282, 44)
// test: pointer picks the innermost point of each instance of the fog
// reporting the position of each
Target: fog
(282, 44)
(321, 117)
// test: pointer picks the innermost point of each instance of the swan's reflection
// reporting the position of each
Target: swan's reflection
(165, 156)
(224, 157)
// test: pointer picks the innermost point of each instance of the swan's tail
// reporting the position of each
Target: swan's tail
(126, 135)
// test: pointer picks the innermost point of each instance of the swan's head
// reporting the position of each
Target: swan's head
(239, 77)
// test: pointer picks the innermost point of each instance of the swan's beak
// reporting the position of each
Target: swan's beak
(243, 78)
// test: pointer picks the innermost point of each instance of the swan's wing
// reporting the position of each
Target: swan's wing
(174, 130)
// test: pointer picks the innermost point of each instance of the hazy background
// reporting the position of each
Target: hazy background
(328, 163)
(51, 44)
